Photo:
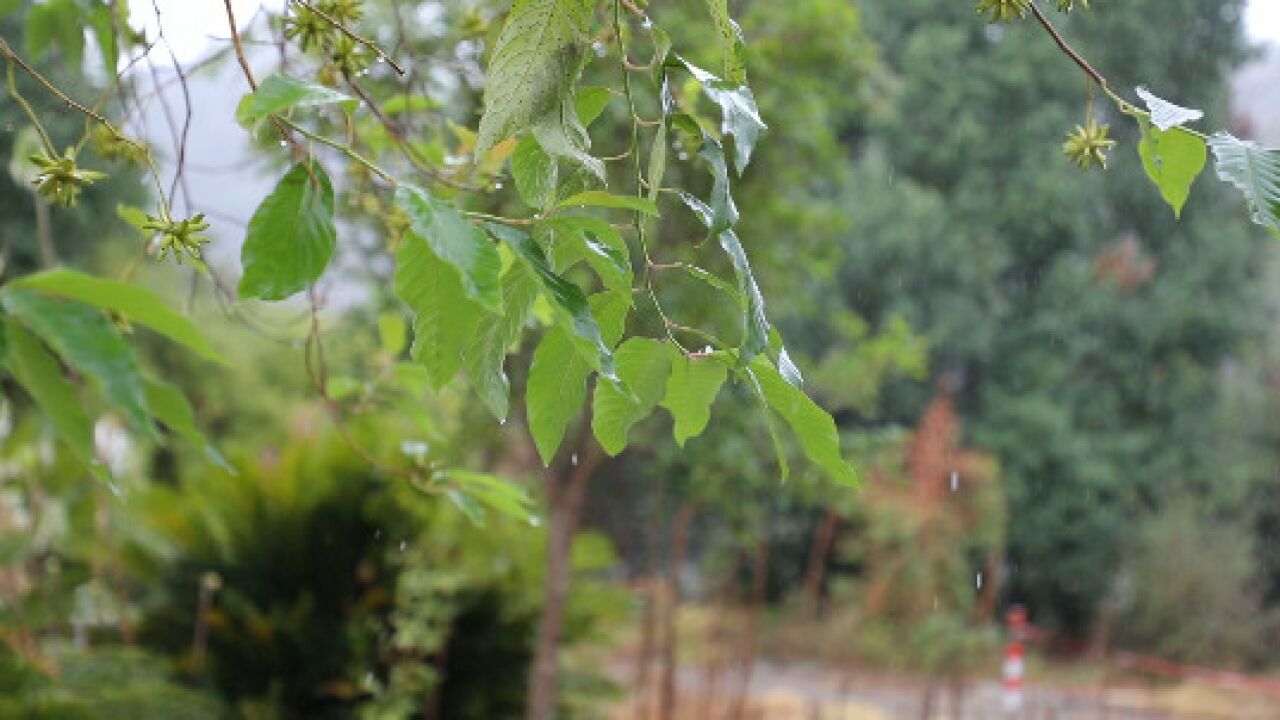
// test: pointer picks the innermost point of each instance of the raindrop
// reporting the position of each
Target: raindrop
(502, 421)
(647, 24)
(497, 186)
(598, 48)
(573, 459)
(284, 143)
(403, 544)
(381, 59)
(977, 581)
(535, 521)
(955, 481)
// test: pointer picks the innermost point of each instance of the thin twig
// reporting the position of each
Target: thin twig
(1076, 57)
(16, 59)
(349, 33)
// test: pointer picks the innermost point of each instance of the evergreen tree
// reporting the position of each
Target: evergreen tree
(1080, 321)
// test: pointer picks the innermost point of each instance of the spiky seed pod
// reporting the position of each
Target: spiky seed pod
(1003, 10)
(59, 180)
(1088, 144)
(112, 146)
(180, 238)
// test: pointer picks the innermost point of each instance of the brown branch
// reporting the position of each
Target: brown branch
(1066, 48)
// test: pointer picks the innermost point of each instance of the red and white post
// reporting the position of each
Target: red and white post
(1014, 662)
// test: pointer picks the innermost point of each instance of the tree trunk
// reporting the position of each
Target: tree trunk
(816, 569)
(566, 491)
(671, 610)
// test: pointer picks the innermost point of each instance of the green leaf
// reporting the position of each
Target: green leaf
(87, 342)
(592, 101)
(535, 62)
(391, 332)
(39, 373)
(739, 115)
(657, 162)
(578, 237)
(291, 236)
(493, 336)
(104, 30)
(691, 388)
(755, 330)
(558, 376)
(561, 135)
(1166, 115)
(135, 303)
(1255, 170)
(444, 318)
(491, 491)
(643, 365)
(732, 47)
(172, 408)
(58, 23)
(535, 173)
(1173, 160)
(457, 242)
(281, 93)
(599, 198)
(775, 434)
(720, 213)
(815, 429)
(568, 299)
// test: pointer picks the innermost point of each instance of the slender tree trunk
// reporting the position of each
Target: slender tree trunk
(648, 619)
(566, 491)
(816, 569)
(671, 609)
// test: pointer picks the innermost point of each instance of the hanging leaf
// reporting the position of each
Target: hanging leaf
(88, 342)
(1255, 170)
(739, 115)
(135, 303)
(755, 331)
(732, 48)
(291, 236)
(444, 318)
(278, 94)
(813, 427)
(493, 336)
(561, 134)
(39, 373)
(599, 198)
(577, 237)
(775, 433)
(1166, 115)
(1173, 160)
(558, 376)
(489, 491)
(535, 63)
(691, 388)
(457, 242)
(56, 22)
(643, 365)
(720, 213)
(535, 173)
(171, 408)
(568, 299)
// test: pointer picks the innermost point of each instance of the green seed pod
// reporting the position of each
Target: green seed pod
(1088, 144)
